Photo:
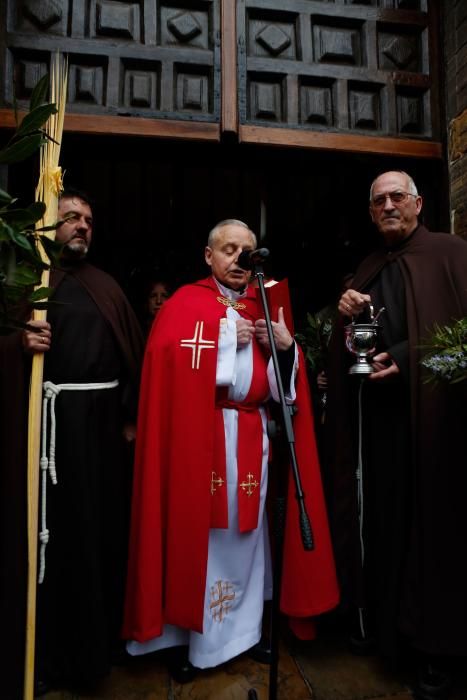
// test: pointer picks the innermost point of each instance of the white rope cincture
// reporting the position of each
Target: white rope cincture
(359, 475)
(47, 461)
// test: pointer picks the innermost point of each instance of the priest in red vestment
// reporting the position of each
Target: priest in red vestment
(199, 563)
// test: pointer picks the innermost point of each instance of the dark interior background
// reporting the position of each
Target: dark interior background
(155, 202)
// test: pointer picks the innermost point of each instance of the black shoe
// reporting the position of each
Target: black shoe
(434, 683)
(120, 657)
(178, 665)
(361, 640)
(261, 652)
(361, 646)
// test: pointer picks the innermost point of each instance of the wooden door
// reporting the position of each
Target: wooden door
(326, 74)
(344, 75)
(353, 84)
(136, 66)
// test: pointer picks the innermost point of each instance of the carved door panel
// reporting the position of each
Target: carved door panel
(343, 67)
(132, 58)
(341, 74)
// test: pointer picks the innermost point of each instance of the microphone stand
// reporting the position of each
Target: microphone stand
(281, 503)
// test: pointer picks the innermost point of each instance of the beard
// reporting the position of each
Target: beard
(76, 249)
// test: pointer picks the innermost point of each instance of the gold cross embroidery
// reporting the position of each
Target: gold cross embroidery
(221, 595)
(231, 302)
(219, 481)
(197, 344)
(250, 485)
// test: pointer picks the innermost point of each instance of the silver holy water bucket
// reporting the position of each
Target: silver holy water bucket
(360, 339)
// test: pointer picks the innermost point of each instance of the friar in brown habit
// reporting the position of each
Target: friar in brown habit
(93, 341)
(397, 496)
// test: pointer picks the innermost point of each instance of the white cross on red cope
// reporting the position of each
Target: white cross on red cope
(197, 344)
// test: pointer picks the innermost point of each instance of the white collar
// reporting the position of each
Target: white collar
(230, 293)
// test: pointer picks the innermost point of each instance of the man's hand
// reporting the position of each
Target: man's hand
(322, 381)
(129, 432)
(282, 338)
(352, 302)
(245, 331)
(37, 340)
(384, 366)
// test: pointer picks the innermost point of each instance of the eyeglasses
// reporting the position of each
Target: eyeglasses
(395, 197)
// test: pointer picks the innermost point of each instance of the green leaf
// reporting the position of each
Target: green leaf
(48, 137)
(35, 119)
(52, 227)
(21, 240)
(33, 258)
(39, 93)
(22, 218)
(36, 211)
(26, 276)
(41, 293)
(52, 248)
(10, 265)
(315, 337)
(22, 149)
(5, 198)
(5, 231)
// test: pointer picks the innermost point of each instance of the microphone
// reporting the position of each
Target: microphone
(249, 258)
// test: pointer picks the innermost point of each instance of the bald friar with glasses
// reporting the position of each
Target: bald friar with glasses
(399, 484)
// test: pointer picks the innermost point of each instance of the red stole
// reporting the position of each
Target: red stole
(249, 449)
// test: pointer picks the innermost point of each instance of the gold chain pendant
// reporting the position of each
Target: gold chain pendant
(230, 302)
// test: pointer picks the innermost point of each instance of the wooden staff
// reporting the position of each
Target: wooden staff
(47, 191)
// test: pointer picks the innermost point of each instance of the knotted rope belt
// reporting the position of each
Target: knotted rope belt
(47, 462)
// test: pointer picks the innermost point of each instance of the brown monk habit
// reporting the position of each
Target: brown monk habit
(414, 475)
(95, 337)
